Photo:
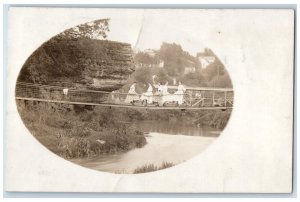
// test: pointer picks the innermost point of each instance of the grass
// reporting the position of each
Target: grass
(151, 167)
(76, 132)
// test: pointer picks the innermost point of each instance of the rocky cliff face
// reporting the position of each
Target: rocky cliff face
(83, 63)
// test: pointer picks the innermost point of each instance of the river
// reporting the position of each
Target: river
(167, 141)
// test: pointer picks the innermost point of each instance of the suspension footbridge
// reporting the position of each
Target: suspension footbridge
(194, 98)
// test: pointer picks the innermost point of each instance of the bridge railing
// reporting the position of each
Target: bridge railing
(195, 98)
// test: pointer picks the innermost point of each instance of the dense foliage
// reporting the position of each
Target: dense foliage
(175, 60)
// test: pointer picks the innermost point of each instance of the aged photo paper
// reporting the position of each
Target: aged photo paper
(149, 100)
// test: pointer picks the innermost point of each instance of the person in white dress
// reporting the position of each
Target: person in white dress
(148, 96)
(166, 96)
(132, 96)
(165, 89)
(160, 89)
(180, 93)
(158, 93)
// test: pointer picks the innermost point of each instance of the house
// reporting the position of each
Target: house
(161, 64)
(190, 67)
(150, 52)
(189, 70)
(206, 60)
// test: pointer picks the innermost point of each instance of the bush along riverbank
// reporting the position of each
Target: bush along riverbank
(151, 167)
(74, 131)
(212, 118)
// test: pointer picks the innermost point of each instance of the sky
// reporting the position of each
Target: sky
(148, 29)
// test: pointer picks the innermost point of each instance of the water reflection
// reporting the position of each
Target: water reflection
(176, 128)
(172, 142)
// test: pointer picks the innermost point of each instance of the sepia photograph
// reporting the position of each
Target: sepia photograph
(115, 107)
(149, 100)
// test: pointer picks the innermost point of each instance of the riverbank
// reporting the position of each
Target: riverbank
(161, 150)
(76, 131)
(73, 131)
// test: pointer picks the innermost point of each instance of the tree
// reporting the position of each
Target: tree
(162, 76)
(92, 30)
(214, 69)
(194, 79)
(222, 81)
(143, 75)
(172, 55)
(207, 52)
(145, 58)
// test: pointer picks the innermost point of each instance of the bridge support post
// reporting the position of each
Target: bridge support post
(203, 98)
(213, 99)
(225, 100)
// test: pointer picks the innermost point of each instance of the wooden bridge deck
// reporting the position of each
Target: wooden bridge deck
(209, 98)
(124, 106)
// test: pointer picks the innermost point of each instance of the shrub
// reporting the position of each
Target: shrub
(151, 167)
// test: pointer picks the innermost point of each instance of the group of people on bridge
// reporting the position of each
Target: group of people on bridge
(161, 95)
